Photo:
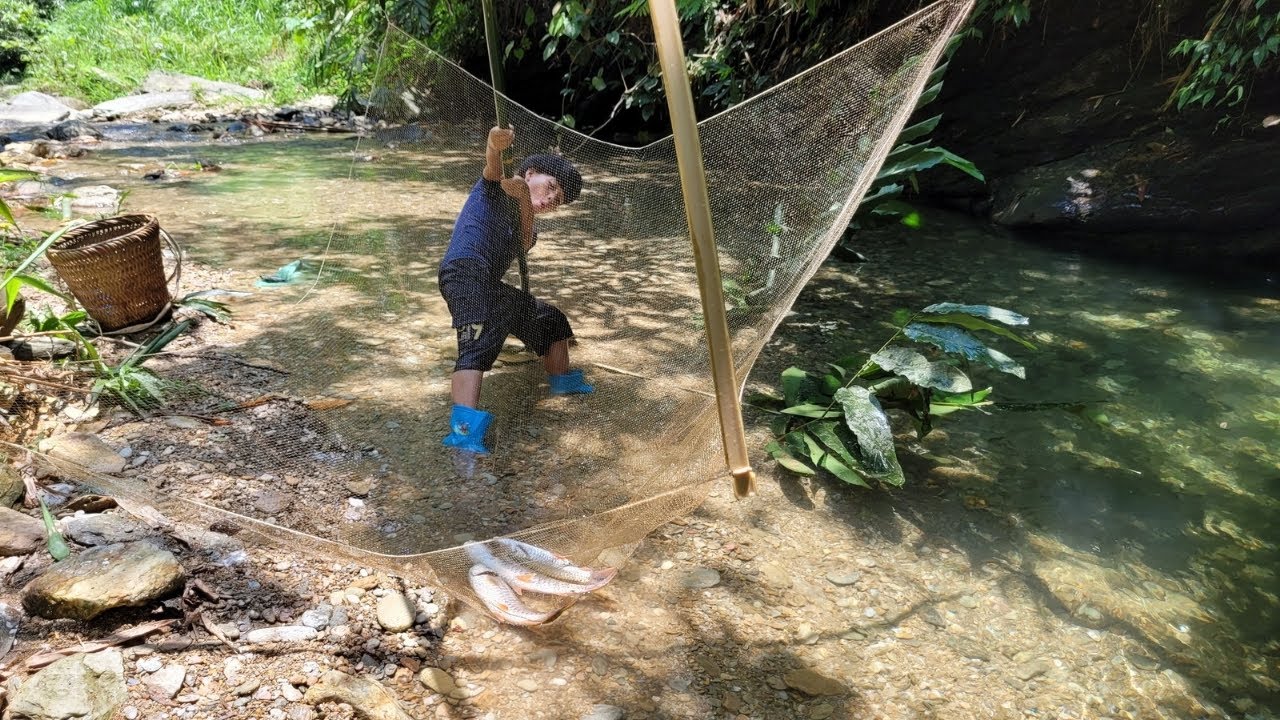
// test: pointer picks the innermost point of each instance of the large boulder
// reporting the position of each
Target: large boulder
(33, 108)
(137, 103)
(104, 578)
(79, 687)
(160, 81)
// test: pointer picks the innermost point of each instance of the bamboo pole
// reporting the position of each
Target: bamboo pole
(693, 183)
(496, 79)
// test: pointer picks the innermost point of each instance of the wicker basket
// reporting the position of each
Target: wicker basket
(115, 269)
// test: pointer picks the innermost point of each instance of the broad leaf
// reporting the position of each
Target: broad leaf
(987, 312)
(919, 130)
(826, 434)
(974, 323)
(976, 397)
(810, 410)
(787, 460)
(957, 340)
(918, 369)
(833, 465)
(869, 424)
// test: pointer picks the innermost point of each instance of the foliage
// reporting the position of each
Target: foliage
(837, 420)
(100, 49)
(1241, 42)
(57, 546)
(21, 22)
(15, 279)
(129, 382)
(217, 311)
(340, 37)
(913, 153)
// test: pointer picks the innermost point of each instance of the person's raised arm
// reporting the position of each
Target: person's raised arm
(499, 139)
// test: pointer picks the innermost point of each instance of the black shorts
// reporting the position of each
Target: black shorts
(485, 312)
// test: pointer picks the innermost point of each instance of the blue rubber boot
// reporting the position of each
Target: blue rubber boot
(570, 383)
(467, 427)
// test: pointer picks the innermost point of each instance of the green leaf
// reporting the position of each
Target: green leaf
(58, 549)
(959, 341)
(967, 399)
(787, 460)
(919, 130)
(918, 369)
(810, 410)
(987, 312)
(868, 423)
(597, 82)
(833, 465)
(826, 434)
(793, 379)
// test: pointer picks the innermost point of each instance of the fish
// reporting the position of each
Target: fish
(521, 577)
(546, 562)
(501, 600)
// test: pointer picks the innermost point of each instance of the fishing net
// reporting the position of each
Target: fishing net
(355, 463)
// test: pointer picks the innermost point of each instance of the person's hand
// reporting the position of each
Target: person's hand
(517, 188)
(501, 138)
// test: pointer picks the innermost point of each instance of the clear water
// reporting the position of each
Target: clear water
(1138, 466)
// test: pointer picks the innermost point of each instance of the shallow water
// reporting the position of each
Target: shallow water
(1137, 468)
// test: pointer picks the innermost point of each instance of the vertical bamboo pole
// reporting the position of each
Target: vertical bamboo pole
(693, 183)
(496, 79)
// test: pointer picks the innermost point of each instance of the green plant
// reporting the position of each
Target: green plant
(21, 22)
(217, 311)
(913, 153)
(15, 279)
(129, 382)
(56, 545)
(1242, 41)
(836, 420)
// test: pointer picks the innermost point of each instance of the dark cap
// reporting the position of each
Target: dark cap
(557, 167)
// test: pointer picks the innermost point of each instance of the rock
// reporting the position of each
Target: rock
(102, 529)
(82, 450)
(160, 81)
(775, 575)
(19, 534)
(843, 578)
(395, 612)
(83, 687)
(284, 633)
(527, 685)
(10, 618)
(43, 348)
(247, 688)
(604, 712)
(821, 712)
(700, 578)
(438, 680)
(103, 578)
(138, 103)
(33, 108)
(813, 683)
(11, 488)
(95, 197)
(72, 129)
(1028, 670)
(167, 681)
(271, 502)
(368, 698)
(318, 617)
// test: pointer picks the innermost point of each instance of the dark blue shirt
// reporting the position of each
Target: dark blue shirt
(487, 230)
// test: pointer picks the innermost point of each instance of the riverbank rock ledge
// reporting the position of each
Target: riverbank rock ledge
(84, 687)
(368, 698)
(104, 578)
(19, 534)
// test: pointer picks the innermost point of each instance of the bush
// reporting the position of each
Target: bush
(21, 23)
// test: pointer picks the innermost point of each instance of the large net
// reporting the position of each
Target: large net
(371, 345)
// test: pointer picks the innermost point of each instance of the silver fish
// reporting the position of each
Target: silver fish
(522, 577)
(548, 563)
(501, 600)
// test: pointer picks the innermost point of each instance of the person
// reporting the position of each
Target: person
(493, 228)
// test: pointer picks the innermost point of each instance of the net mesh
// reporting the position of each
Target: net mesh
(354, 463)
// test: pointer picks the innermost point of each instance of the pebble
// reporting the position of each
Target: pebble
(318, 617)
(843, 578)
(289, 692)
(968, 601)
(129, 712)
(527, 685)
(150, 664)
(604, 712)
(1028, 670)
(438, 680)
(248, 688)
(284, 633)
(821, 712)
(699, 578)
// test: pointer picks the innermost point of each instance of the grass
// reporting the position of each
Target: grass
(100, 49)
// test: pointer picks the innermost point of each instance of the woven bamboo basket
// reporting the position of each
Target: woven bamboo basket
(114, 267)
